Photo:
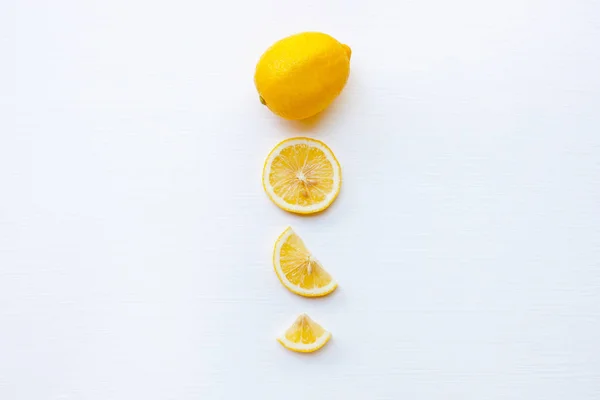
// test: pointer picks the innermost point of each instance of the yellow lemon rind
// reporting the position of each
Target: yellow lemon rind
(319, 292)
(297, 58)
(313, 208)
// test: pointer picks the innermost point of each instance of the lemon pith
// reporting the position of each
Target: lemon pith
(304, 336)
(302, 175)
(300, 75)
(298, 270)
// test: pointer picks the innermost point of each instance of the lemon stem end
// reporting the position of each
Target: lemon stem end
(348, 50)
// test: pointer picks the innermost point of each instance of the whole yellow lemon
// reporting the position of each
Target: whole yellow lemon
(299, 76)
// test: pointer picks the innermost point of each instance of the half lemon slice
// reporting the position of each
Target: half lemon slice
(302, 175)
(304, 336)
(298, 270)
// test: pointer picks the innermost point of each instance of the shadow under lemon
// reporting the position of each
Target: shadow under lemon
(310, 124)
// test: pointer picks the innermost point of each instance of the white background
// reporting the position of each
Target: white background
(135, 238)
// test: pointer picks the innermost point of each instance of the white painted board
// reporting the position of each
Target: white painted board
(135, 238)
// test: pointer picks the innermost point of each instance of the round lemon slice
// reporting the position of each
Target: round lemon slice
(302, 175)
(304, 336)
(298, 270)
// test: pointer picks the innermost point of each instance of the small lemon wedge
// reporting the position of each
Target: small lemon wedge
(304, 336)
(297, 268)
(302, 175)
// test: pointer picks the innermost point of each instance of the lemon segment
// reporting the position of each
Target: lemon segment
(302, 175)
(298, 270)
(304, 336)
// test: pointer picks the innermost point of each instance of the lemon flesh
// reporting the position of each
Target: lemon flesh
(298, 270)
(299, 76)
(302, 175)
(304, 336)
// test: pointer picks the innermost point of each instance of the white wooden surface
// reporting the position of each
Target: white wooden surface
(135, 239)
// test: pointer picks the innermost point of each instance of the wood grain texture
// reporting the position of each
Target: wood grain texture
(135, 239)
